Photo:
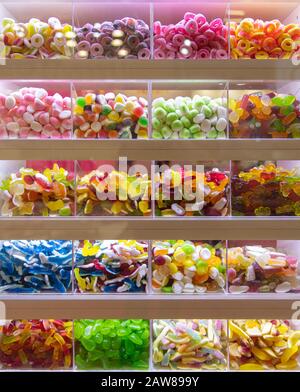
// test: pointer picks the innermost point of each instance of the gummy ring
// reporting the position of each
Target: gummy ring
(201, 41)
(170, 55)
(37, 40)
(221, 54)
(59, 39)
(133, 41)
(203, 54)
(200, 19)
(216, 24)
(91, 37)
(269, 44)
(277, 52)
(106, 41)
(251, 51)
(270, 28)
(185, 51)
(21, 30)
(96, 50)
(160, 43)
(178, 39)
(283, 37)
(247, 25)
(144, 54)
(83, 46)
(54, 23)
(294, 31)
(159, 54)
(209, 34)
(287, 44)
(243, 44)
(191, 26)
(261, 55)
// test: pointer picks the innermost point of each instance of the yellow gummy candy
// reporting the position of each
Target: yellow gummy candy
(119, 98)
(116, 208)
(80, 281)
(144, 206)
(129, 106)
(294, 339)
(238, 331)
(292, 364)
(27, 208)
(55, 205)
(173, 268)
(260, 354)
(179, 255)
(288, 353)
(89, 249)
(114, 116)
(251, 366)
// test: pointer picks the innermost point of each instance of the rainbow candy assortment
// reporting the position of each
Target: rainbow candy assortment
(36, 266)
(189, 344)
(110, 116)
(264, 115)
(31, 192)
(193, 37)
(37, 39)
(111, 266)
(266, 190)
(112, 344)
(261, 269)
(258, 39)
(33, 113)
(264, 344)
(126, 38)
(188, 267)
(36, 344)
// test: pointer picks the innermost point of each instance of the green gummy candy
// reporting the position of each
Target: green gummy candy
(195, 128)
(167, 289)
(198, 103)
(80, 101)
(169, 107)
(296, 134)
(156, 135)
(277, 125)
(192, 113)
(206, 110)
(185, 134)
(171, 117)
(156, 124)
(185, 121)
(212, 134)
(143, 121)
(221, 135)
(198, 135)
(177, 125)
(285, 110)
(166, 132)
(65, 211)
(283, 101)
(106, 109)
(160, 113)
(188, 249)
(184, 108)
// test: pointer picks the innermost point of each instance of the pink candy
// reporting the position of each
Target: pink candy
(191, 38)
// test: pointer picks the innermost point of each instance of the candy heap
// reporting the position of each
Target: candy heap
(33, 113)
(178, 192)
(35, 266)
(37, 39)
(127, 38)
(112, 344)
(30, 192)
(187, 267)
(266, 190)
(258, 39)
(38, 344)
(263, 345)
(193, 37)
(111, 266)
(189, 344)
(111, 116)
(259, 269)
(93, 188)
(199, 117)
(264, 115)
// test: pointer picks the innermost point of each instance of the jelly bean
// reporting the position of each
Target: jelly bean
(110, 115)
(35, 266)
(189, 117)
(111, 266)
(270, 115)
(179, 192)
(263, 344)
(36, 344)
(29, 192)
(189, 344)
(187, 267)
(92, 190)
(191, 38)
(35, 114)
(257, 39)
(266, 190)
(37, 39)
(127, 38)
(260, 269)
(112, 344)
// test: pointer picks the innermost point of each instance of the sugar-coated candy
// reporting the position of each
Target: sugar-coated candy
(261, 269)
(266, 190)
(112, 344)
(114, 193)
(37, 39)
(111, 266)
(197, 117)
(33, 113)
(193, 37)
(126, 38)
(36, 344)
(258, 39)
(35, 266)
(264, 115)
(191, 192)
(189, 344)
(264, 344)
(188, 266)
(31, 192)
(110, 116)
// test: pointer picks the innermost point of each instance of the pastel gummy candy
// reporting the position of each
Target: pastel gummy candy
(266, 190)
(98, 193)
(35, 266)
(112, 344)
(110, 116)
(258, 39)
(261, 269)
(111, 266)
(182, 192)
(33, 113)
(264, 344)
(197, 117)
(36, 344)
(193, 37)
(264, 115)
(188, 267)
(189, 344)
(37, 39)
(126, 38)
(31, 192)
